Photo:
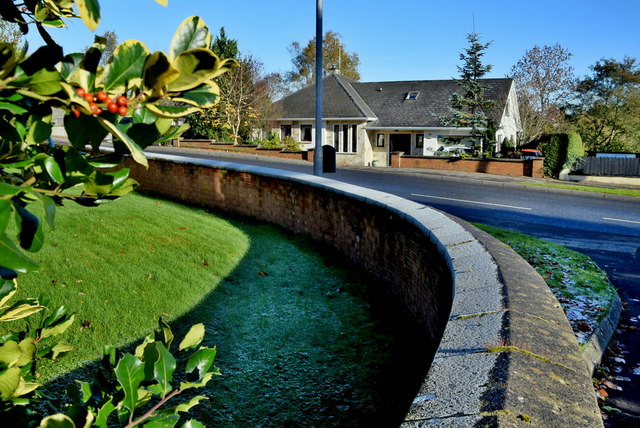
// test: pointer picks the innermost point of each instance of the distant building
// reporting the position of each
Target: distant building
(365, 122)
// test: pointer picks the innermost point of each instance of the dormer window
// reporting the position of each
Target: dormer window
(412, 95)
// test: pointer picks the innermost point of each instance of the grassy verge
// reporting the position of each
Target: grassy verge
(302, 339)
(592, 189)
(581, 287)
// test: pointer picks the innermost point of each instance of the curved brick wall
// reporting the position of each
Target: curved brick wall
(506, 356)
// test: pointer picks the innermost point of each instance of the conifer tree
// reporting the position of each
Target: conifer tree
(470, 109)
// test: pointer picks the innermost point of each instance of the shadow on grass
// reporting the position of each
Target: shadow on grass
(304, 339)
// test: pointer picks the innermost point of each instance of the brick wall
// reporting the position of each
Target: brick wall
(514, 167)
(381, 241)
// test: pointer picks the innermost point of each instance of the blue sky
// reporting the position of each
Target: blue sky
(396, 40)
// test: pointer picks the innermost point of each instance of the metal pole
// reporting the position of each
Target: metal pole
(317, 159)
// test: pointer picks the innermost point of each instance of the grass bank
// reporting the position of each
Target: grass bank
(303, 339)
(591, 189)
(581, 287)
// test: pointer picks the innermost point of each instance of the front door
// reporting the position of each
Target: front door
(400, 143)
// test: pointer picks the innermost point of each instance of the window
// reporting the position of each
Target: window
(413, 95)
(419, 141)
(380, 140)
(345, 138)
(285, 131)
(305, 133)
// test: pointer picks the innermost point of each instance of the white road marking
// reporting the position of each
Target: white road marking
(621, 220)
(473, 202)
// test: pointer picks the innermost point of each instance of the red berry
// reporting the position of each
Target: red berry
(121, 100)
(101, 95)
(122, 110)
(112, 107)
(81, 92)
(24, 8)
(76, 113)
(95, 108)
(107, 101)
(89, 97)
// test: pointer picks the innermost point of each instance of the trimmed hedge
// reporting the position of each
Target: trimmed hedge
(560, 151)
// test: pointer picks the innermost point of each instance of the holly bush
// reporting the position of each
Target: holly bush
(135, 98)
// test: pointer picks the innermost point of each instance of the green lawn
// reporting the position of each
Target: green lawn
(302, 338)
(581, 287)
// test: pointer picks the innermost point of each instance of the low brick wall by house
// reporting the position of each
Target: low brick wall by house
(253, 150)
(514, 167)
(506, 355)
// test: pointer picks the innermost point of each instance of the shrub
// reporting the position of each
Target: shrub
(560, 152)
(291, 144)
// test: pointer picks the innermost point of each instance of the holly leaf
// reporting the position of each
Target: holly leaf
(194, 336)
(129, 373)
(163, 368)
(90, 13)
(12, 258)
(126, 66)
(191, 34)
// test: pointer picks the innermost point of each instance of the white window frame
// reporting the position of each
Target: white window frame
(348, 130)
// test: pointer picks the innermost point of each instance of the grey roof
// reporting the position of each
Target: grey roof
(385, 102)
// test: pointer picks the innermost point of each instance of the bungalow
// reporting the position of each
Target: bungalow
(365, 122)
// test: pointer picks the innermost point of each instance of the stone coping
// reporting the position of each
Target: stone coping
(508, 356)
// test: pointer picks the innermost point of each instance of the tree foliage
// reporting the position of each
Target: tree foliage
(134, 97)
(334, 57)
(246, 98)
(543, 78)
(606, 106)
(470, 109)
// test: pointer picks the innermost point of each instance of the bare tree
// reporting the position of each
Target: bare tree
(544, 78)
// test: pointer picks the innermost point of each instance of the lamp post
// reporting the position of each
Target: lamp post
(317, 159)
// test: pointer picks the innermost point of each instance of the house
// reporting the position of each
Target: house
(365, 122)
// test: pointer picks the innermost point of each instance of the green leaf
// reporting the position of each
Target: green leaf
(103, 414)
(164, 368)
(162, 422)
(49, 208)
(192, 423)
(10, 352)
(174, 132)
(60, 349)
(28, 348)
(191, 34)
(98, 183)
(129, 373)
(7, 59)
(55, 316)
(158, 73)
(57, 329)
(38, 132)
(13, 108)
(84, 130)
(194, 336)
(12, 258)
(162, 2)
(9, 382)
(70, 64)
(45, 82)
(142, 115)
(126, 65)
(166, 332)
(5, 214)
(90, 13)
(7, 291)
(134, 149)
(201, 360)
(22, 309)
(188, 385)
(84, 389)
(196, 66)
(204, 96)
(171, 112)
(57, 421)
(30, 233)
(25, 388)
(163, 124)
(53, 169)
(185, 407)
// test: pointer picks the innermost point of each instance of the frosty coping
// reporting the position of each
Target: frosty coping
(508, 356)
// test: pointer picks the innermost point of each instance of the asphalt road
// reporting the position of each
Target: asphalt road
(605, 228)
